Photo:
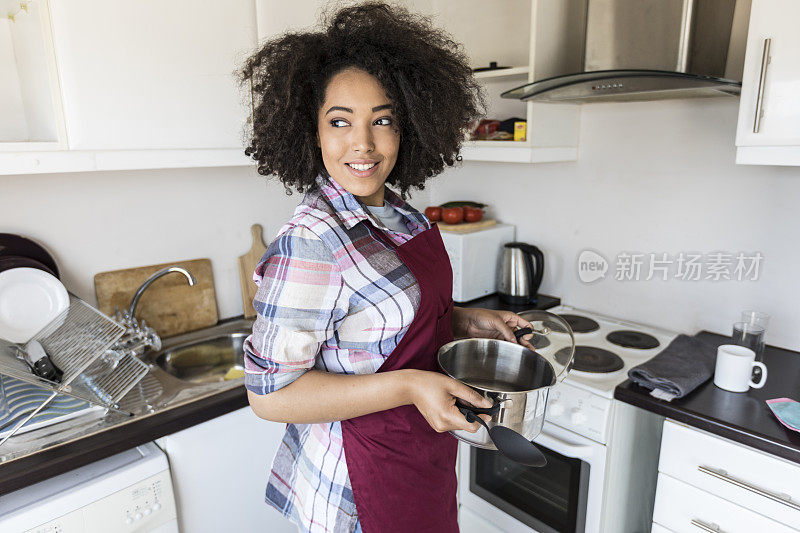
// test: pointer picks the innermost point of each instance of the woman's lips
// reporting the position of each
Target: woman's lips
(363, 173)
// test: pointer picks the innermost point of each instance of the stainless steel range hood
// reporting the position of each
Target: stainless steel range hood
(653, 50)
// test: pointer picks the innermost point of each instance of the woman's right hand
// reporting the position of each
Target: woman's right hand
(435, 394)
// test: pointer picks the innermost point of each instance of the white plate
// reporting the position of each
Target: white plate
(29, 300)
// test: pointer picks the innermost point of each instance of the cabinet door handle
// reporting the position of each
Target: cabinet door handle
(762, 80)
(711, 528)
(723, 475)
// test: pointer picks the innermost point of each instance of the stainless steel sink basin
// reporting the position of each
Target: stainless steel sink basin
(216, 359)
(206, 356)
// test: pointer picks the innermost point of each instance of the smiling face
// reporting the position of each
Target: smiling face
(357, 134)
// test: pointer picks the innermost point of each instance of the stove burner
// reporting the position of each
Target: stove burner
(633, 339)
(540, 341)
(591, 359)
(581, 324)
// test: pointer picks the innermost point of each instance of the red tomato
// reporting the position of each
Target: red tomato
(453, 215)
(434, 214)
(472, 214)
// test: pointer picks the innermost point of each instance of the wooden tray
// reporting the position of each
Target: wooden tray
(467, 227)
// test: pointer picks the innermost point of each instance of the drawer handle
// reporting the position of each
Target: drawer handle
(721, 474)
(711, 528)
(762, 80)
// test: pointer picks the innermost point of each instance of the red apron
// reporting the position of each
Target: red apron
(402, 472)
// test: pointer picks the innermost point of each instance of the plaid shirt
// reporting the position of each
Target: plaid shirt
(333, 297)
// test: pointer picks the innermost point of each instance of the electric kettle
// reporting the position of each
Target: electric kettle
(520, 274)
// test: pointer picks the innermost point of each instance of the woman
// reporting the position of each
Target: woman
(354, 294)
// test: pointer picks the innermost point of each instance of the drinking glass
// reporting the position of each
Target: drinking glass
(750, 336)
(757, 318)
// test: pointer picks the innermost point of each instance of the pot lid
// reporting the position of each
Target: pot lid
(552, 335)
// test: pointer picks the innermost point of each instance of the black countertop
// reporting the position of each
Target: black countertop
(493, 301)
(32, 468)
(739, 416)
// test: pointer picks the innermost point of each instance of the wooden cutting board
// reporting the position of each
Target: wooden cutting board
(467, 227)
(169, 304)
(247, 264)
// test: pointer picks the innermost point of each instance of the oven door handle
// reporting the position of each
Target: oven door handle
(565, 448)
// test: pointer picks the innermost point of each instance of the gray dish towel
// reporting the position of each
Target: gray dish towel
(680, 368)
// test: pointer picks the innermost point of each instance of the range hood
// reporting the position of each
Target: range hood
(652, 50)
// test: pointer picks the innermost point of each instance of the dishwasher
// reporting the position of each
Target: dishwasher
(127, 492)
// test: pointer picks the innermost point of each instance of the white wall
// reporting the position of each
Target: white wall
(654, 177)
(98, 221)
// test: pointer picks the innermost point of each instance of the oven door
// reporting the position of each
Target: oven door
(563, 497)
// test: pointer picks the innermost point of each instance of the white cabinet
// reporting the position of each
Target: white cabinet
(219, 474)
(768, 131)
(682, 508)
(152, 75)
(539, 39)
(135, 85)
(30, 105)
(723, 485)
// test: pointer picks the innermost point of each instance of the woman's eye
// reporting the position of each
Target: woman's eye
(384, 121)
(339, 123)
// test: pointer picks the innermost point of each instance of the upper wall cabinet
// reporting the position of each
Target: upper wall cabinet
(537, 39)
(116, 84)
(30, 103)
(768, 131)
(151, 74)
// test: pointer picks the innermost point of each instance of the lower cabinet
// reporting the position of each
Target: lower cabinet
(219, 474)
(681, 507)
(707, 483)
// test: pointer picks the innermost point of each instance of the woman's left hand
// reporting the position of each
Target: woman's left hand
(488, 324)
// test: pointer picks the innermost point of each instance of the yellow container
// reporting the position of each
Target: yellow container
(520, 130)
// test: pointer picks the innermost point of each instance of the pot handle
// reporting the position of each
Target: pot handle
(468, 410)
(522, 332)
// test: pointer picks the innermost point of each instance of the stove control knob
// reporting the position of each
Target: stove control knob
(577, 416)
(556, 408)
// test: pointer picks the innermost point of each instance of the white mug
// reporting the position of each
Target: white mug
(735, 368)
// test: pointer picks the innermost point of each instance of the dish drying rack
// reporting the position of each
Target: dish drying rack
(98, 364)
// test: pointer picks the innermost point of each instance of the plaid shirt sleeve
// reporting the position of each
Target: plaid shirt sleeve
(300, 300)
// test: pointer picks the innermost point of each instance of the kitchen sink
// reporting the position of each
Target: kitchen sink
(188, 367)
(207, 356)
(216, 359)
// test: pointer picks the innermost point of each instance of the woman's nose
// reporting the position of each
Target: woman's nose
(363, 141)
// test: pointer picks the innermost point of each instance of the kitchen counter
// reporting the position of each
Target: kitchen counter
(124, 435)
(110, 439)
(740, 417)
(493, 301)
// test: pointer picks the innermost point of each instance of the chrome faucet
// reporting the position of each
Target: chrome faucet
(151, 279)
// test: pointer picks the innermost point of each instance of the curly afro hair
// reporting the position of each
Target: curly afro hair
(424, 72)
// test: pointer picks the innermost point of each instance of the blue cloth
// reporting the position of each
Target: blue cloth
(358, 527)
(787, 411)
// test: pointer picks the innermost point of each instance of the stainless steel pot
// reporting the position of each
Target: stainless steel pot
(511, 375)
